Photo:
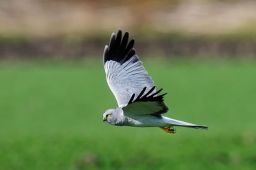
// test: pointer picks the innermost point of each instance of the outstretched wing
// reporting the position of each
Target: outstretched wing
(124, 71)
(146, 104)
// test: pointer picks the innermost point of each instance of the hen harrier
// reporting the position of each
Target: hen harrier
(139, 104)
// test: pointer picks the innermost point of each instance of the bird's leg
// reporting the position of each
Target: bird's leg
(168, 129)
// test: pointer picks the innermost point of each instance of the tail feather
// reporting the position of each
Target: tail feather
(181, 123)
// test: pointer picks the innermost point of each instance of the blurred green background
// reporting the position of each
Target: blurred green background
(53, 90)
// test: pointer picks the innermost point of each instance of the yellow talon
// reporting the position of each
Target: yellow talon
(168, 129)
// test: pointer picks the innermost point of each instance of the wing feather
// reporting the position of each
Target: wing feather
(146, 104)
(125, 73)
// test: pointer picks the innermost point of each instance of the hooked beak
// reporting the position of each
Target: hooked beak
(104, 119)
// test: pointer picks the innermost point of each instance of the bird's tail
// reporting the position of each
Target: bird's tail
(174, 122)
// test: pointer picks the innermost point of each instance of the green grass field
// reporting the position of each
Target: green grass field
(51, 117)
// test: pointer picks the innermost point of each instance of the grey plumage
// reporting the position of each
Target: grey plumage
(139, 104)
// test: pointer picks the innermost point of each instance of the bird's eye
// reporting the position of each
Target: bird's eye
(108, 115)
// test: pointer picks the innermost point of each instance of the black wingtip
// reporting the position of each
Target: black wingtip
(131, 99)
(150, 91)
(120, 49)
(148, 96)
(141, 93)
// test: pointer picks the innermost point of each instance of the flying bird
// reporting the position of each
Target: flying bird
(140, 104)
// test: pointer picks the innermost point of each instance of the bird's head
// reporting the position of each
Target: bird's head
(113, 116)
(108, 116)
